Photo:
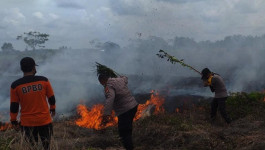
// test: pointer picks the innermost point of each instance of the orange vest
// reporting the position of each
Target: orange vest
(31, 93)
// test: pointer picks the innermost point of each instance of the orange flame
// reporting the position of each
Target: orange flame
(92, 118)
(155, 100)
(5, 126)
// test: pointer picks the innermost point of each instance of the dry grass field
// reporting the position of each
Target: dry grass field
(186, 130)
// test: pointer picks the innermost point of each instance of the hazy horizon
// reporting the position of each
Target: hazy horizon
(76, 23)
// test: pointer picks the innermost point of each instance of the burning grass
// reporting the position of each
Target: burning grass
(189, 129)
(4, 126)
(92, 118)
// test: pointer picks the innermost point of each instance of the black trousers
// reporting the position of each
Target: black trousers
(45, 132)
(125, 121)
(220, 104)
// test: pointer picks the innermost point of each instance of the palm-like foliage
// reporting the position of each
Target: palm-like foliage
(102, 69)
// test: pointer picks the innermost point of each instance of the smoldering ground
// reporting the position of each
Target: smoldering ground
(72, 72)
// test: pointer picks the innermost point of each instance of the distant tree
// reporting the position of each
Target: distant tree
(184, 42)
(7, 47)
(110, 46)
(95, 43)
(107, 46)
(34, 39)
(63, 47)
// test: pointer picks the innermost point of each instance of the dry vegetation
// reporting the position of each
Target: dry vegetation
(186, 130)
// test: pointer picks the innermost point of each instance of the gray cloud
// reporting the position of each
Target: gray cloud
(120, 20)
(2, 27)
(181, 1)
(122, 7)
(248, 7)
(69, 4)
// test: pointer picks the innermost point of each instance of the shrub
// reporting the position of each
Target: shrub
(242, 104)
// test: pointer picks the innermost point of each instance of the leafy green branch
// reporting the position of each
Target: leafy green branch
(173, 60)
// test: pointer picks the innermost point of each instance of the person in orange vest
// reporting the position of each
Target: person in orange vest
(119, 99)
(31, 93)
(217, 85)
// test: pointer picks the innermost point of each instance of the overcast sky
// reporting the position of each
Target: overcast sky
(76, 22)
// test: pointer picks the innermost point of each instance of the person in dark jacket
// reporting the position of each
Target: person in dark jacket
(119, 99)
(217, 85)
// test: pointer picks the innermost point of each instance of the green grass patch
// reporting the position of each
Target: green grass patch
(242, 104)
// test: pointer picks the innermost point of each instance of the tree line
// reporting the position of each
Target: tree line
(32, 39)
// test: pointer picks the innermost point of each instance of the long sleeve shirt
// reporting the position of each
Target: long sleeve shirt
(118, 96)
(218, 87)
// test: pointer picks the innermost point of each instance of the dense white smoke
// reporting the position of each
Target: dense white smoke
(72, 73)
